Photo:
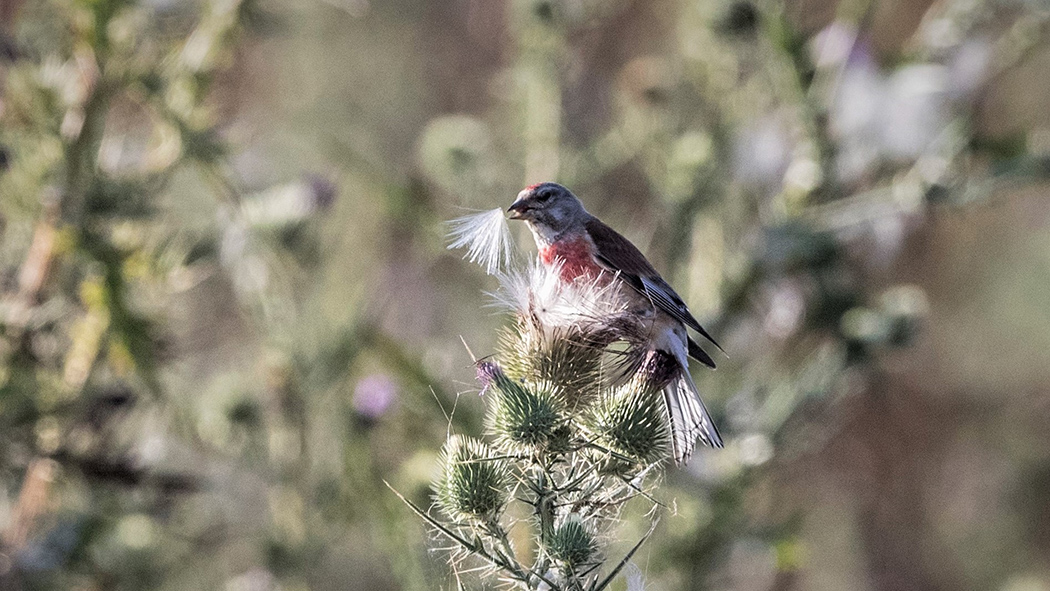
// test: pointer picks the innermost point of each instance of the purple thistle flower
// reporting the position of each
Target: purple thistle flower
(374, 395)
(487, 373)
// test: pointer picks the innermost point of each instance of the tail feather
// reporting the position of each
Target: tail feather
(689, 418)
(699, 354)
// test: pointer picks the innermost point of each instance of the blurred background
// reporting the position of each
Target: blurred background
(228, 313)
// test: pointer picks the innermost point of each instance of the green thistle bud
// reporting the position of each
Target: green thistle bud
(632, 421)
(571, 544)
(520, 416)
(472, 485)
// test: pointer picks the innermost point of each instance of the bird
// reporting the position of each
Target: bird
(580, 246)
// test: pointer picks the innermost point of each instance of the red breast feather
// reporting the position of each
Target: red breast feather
(576, 257)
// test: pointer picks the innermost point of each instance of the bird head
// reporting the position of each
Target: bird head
(549, 208)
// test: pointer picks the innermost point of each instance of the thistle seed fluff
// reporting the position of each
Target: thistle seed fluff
(486, 237)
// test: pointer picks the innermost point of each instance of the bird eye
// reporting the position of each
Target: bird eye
(543, 196)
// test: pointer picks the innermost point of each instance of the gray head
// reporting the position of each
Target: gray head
(550, 209)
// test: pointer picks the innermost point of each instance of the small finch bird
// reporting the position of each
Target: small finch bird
(582, 247)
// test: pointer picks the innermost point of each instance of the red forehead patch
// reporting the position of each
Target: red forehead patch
(531, 187)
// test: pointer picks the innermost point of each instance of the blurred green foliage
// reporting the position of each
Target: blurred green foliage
(228, 315)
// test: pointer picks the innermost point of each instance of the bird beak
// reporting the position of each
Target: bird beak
(518, 209)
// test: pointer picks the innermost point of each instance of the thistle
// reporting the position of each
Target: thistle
(571, 545)
(577, 424)
(472, 484)
(522, 417)
(566, 334)
(630, 420)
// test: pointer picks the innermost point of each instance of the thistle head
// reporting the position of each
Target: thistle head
(571, 545)
(631, 420)
(472, 484)
(539, 293)
(523, 416)
(563, 331)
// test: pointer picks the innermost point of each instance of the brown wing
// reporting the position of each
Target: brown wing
(619, 255)
(618, 251)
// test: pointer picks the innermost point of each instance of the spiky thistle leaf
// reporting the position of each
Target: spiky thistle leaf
(473, 483)
(486, 237)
